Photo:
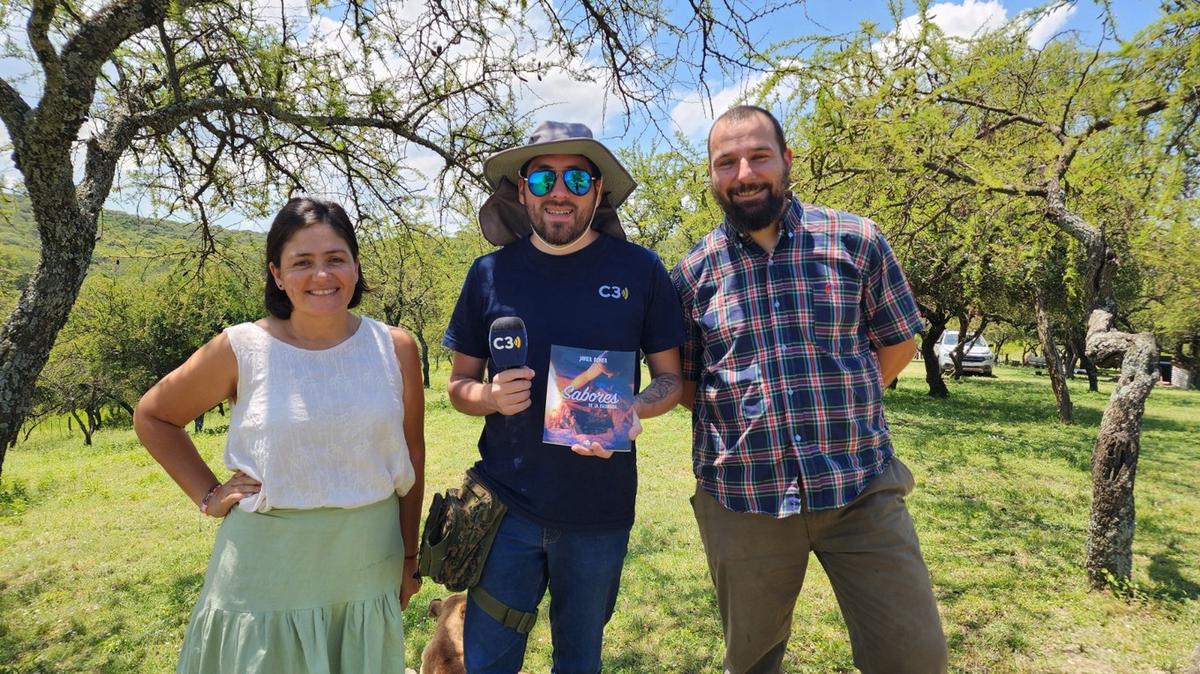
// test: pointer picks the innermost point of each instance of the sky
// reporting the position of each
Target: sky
(962, 18)
(689, 112)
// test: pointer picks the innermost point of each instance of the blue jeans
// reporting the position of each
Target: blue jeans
(583, 572)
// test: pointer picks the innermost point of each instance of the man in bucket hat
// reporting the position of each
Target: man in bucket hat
(567, 272)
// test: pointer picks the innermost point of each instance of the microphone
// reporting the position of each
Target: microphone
(508, 343)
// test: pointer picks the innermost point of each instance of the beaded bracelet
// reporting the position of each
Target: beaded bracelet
(208, 497)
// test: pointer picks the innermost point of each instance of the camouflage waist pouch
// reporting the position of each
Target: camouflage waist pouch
(458, 534)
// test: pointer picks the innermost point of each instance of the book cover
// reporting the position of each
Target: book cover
(589, 397)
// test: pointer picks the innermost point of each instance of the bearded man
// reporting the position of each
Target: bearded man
(567, 271)
(797, 317)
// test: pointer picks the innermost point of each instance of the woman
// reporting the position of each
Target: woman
(315, 558)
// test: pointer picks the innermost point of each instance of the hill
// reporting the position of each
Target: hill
(128, 243)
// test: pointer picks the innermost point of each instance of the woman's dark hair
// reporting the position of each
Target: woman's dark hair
(297, 214)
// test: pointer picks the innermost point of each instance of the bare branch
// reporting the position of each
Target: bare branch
(13, 109)
(1012, 190)
(40, 17)
(167, 118)
(1011, 116)
(86, 52)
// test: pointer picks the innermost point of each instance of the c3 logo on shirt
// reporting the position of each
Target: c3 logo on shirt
(508, 342)
(614, 292)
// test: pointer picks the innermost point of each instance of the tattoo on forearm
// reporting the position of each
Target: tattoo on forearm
(661, 387)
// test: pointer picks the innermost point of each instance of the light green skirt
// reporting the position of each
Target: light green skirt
(301, 591)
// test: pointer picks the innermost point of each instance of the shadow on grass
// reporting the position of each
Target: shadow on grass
(184, 591)
(1169, 582)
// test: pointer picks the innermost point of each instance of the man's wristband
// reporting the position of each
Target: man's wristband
(208, 497)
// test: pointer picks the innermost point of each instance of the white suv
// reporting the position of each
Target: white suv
(977, 356)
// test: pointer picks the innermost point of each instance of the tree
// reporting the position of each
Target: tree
(1170, 304)
(214, 107)
(1088, 142)
(416, 279)
(127, 331)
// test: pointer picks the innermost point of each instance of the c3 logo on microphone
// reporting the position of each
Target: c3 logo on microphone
(614, 292)
(508, 342)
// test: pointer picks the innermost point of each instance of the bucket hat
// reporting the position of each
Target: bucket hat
(504, 219)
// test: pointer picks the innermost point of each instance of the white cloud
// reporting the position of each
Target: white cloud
(968, 19)
(694, 114)
(972, 18)
(561, 97)
(1049, 25)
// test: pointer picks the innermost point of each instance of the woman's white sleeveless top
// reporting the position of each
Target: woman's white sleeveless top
(320, 428)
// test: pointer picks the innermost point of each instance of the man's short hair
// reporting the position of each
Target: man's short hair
(740, 113)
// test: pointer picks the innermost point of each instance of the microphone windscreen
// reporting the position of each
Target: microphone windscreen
(508, 342)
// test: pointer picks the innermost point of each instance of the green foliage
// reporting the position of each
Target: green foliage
(672, 208)
(14, 498)
(1170, 255)
(416, 278)
(950, 144)
(127, 330)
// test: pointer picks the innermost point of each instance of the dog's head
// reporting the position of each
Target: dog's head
(453, 607)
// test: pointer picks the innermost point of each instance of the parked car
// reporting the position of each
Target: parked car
(978, 356)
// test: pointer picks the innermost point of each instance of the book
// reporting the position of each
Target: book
(589, 397)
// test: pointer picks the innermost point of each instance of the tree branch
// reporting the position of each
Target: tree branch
(13, 109)
(92, 45)
(1011, 116)
(40, 17)
(1144, 110)
(1011, 190)
(167, 118)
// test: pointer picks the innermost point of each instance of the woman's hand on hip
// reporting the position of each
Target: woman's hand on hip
(238, 487)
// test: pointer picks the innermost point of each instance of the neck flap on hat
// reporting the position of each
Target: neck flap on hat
(503, 217)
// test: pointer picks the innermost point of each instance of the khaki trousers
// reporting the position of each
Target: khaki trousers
(868, 549)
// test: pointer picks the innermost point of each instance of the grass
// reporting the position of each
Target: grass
(103, 557)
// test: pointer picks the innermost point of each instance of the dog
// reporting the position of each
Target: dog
(444, 652)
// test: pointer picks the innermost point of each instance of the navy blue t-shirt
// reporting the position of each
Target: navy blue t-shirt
(576, 300)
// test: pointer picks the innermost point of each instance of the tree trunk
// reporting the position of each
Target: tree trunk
(1181, 377)
(1069, 357)
(1062, 395)
(424, 357)
(123, 405)
(67, 239)
(1079, 346)
(933, 370)
(1183, 368)
(1115, 455)
(85, 428)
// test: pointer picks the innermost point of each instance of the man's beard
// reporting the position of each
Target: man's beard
(560, 235)
(754, 215)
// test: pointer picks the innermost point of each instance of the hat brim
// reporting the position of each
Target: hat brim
(618, 184)
(503, 218)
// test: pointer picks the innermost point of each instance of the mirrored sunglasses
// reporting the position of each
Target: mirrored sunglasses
(541, 181)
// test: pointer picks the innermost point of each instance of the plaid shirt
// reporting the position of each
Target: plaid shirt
(788, 401)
